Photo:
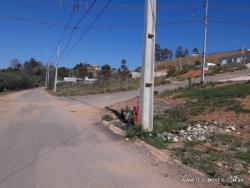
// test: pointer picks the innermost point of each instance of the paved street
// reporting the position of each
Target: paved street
(50, 142)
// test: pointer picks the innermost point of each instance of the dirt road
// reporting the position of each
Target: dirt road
(47, 142)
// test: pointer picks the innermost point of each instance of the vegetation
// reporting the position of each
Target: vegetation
(22, 76)
(225, 68)
(107, 117)
(221, 155)
(110, 85)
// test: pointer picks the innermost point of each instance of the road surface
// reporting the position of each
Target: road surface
(50, 142)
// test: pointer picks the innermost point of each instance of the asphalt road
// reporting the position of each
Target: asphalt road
(49, 142)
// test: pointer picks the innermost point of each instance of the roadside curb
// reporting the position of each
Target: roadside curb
(158, 154)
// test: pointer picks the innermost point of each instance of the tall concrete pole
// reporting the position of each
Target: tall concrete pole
(147, 77)
(57, 62)
(204, 43)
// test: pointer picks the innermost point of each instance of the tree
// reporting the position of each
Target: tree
(105, 72)
(34, 67)
(81, 70)
(181, 52)
(16, 64)
(63, 72)
(195, 51)
(162, 54)
(123, 71)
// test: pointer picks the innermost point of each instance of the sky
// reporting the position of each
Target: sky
(24, 33)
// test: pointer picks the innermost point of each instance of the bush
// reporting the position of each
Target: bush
(15, 80)
(107, 117)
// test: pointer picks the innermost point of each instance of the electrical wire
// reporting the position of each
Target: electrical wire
(77, 24)
(89, 28)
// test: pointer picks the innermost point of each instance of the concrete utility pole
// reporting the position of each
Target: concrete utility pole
(57, 62)
(147, 77)
(204, 43)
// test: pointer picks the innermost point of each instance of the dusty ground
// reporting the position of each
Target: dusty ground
(58, 142)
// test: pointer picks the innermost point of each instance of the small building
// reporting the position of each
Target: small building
(88, 80)
(135, 75)
(70, 79)
(194, 54)
(235, 59)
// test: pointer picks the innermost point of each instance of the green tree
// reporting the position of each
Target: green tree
(63, 72)
(123, 71)
(81, 70)
(105, 72)
(181, 52)
(162, 54)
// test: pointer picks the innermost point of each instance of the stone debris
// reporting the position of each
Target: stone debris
(197, 132)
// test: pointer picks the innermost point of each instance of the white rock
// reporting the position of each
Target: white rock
(189, 128)
(219, 164)
(189, 138)
(201, 138)
(198, 125)
(182, 132)
(175, 139)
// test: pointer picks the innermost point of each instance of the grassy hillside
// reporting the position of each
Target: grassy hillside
(212, 58)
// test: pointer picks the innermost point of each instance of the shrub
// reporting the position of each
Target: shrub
(107, 117)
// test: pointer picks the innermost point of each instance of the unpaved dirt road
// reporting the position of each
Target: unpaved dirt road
(49, 142)
(46, 142)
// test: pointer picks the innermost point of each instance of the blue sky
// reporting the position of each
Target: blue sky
(24, 40)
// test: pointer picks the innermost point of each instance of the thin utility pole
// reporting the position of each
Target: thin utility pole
(147, 77)
(57, 62)
(204, 43)
(47, 75)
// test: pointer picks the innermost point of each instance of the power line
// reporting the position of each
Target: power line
(89, 28)
(229, 22)
(77, 24)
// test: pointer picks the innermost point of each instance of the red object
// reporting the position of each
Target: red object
(136, 111)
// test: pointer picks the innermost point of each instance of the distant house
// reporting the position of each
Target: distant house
(235, 59)
(88, 80)
(156, 74)
(70, 79)
(135, 75)
(194, 54)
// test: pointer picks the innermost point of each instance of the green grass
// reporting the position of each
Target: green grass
(229, 141)
(151, 138)
(245, 156)
(172, 119)
(206, 161)
(102, 86)
(107, 117)
(17, 80)
(226, 68)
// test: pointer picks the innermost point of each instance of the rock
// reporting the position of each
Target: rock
(189, 138)
(215, 122)
(231, 128)
(219, 164)
(189, 128)
(198, 125)
(175, 139)
(182, 132)
(201, 138)
(239, 167)
(228, 130)
(127, 139)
